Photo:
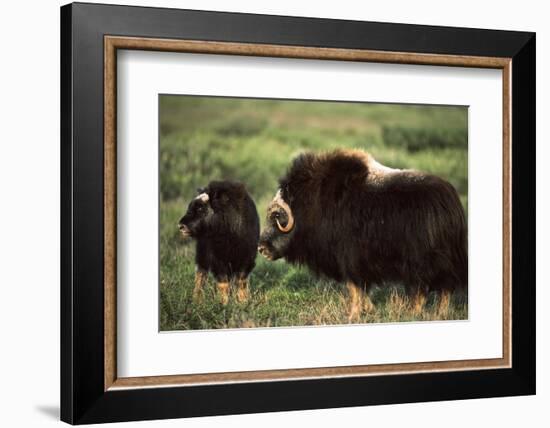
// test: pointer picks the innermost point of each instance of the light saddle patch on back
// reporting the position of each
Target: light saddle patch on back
(377, 171)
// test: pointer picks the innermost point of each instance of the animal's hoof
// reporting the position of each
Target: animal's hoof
(368, 306)
(242, 296)
(352, 319)
(354, 315)
(223, 288)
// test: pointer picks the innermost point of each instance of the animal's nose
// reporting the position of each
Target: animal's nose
(262, 248)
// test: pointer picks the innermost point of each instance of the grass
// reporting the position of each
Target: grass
(204, 138)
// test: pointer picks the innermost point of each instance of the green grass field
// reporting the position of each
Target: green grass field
(253, 141)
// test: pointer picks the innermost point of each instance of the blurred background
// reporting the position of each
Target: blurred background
(253, 141)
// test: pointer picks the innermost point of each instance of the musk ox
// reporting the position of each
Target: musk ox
(224, 221)
(349, 218)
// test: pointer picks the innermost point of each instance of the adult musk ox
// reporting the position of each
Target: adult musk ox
(224, 221)
(349, 218)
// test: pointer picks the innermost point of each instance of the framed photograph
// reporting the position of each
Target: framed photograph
(265, 213)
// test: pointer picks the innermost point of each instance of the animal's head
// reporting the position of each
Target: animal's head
(198, 216)
(214, 210)
(279, 230)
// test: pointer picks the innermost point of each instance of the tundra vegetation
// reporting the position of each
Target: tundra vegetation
(253, 141)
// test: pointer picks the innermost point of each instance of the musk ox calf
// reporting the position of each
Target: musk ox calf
(224, 221)
(349, 218)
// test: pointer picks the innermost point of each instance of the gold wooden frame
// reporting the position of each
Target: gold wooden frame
(112, 43)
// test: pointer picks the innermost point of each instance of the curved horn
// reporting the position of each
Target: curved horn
(288, 212)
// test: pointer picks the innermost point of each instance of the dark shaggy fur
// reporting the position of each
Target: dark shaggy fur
(226, 228)
(404, 226)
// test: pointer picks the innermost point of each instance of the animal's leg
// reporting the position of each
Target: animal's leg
(444, 300)
(200, 279)
(242, 289)
(223, 289)
(417, 298)
(355, 299)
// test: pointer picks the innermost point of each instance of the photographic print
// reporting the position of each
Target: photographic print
(362, 198)
(279, 213)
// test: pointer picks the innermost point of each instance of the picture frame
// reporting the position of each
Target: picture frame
(91, 391)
